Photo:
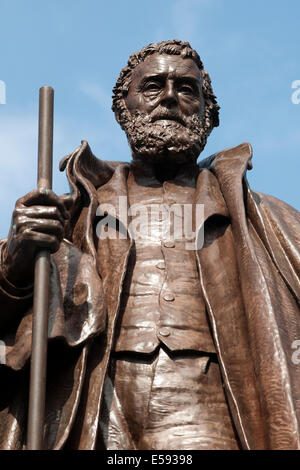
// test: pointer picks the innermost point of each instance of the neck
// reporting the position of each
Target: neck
(165, 171)
(162, 170)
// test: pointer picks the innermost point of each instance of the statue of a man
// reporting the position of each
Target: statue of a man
(154, 344)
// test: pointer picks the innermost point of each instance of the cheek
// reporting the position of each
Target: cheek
(190, 106)
(131, 102)
(139, 102)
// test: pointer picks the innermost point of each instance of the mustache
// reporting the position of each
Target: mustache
(161, 113)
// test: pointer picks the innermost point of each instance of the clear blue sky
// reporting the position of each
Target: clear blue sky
(250, 48)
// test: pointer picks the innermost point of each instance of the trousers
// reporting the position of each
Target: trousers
(165, 401)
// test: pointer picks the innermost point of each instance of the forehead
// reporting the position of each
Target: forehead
(165, 64)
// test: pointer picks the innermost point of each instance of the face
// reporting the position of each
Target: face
(166, 118)
(166, 87)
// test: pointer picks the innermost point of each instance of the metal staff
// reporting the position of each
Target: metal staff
(37, 389)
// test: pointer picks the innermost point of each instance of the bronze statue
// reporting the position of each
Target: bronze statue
(154, 344)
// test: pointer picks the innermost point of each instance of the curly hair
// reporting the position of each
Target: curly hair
(172, 47)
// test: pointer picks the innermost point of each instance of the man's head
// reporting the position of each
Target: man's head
(164, 101)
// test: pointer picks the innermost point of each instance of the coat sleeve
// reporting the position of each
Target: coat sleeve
(77, 309)
(14, 301)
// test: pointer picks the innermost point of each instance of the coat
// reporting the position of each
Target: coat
(249, 270)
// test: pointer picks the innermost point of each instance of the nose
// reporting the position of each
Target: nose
(169, 97)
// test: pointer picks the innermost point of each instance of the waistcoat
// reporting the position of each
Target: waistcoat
(162, 300)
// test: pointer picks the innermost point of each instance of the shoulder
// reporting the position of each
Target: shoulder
(83, 163)
(284, 219)
(276, 206)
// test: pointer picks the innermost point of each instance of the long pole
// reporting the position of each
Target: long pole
(37, 389)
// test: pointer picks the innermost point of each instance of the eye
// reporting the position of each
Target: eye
(186, 88)
(151, 88)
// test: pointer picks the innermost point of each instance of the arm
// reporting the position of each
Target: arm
(38, 221)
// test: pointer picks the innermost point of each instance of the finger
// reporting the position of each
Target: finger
(42, 240)
(48, 226)
(44, 197)
(39, 212)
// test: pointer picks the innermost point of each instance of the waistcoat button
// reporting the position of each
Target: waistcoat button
(164, 332)
(169, 244)
(169, 297)
(161, 265)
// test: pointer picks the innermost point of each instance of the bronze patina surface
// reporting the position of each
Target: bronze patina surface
(152, 344)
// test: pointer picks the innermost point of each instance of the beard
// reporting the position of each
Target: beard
(164, 135)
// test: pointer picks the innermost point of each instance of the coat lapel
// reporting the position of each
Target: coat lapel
(254, 366)
(110, 255)
(219, 278)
